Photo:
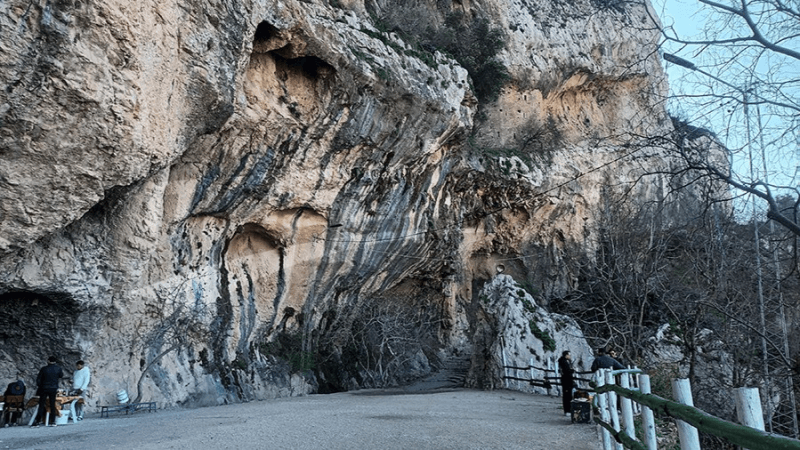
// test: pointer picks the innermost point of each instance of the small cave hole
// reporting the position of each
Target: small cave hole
(312, 67)
(268, 39)
(264, 32)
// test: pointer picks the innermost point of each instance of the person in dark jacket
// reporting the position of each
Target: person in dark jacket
(47, 388)
(15, 388)
(10, 413)
(604, 361)
(566, 372)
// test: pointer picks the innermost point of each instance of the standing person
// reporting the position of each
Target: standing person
(604, 361)
(567, 381)
(80, 383)
(47, 388)
(613, 354)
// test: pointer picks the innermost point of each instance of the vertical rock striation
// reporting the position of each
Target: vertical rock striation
(204, 199)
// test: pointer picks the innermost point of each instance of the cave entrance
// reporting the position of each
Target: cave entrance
(386, 338)
(268, 39)
(34, 326)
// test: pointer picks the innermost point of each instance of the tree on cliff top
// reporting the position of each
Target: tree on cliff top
(475, 46)
(473, 42)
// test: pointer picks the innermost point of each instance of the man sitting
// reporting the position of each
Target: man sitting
(13, 409)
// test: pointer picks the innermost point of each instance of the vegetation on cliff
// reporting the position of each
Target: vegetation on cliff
(473, 42)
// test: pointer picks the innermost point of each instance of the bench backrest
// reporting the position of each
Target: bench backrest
(15, 401)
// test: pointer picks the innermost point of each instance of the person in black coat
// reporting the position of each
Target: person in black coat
(47, 388)
(566, 372)
(604, 361)
(10, 413)
(15, 388)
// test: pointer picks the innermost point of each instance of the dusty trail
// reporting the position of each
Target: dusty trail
(450, 419)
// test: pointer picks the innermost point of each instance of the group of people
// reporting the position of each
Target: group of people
(47, 383)
(603, 360)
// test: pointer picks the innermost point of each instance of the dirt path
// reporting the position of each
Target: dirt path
(455, 419)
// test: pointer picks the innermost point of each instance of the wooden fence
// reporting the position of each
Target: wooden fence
(618, 404)
(689, 419)
(549, 379)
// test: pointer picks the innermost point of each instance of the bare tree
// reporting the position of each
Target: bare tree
(389, 335)
(177, 326)
(741, 81)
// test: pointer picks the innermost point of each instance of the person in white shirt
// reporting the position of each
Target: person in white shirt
(80, 384)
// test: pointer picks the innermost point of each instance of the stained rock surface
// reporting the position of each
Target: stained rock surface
(212, 202)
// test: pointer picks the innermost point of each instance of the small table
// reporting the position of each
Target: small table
(73, 400)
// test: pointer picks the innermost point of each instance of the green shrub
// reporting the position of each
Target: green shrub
(475, 46)
(239, 364)
(530, 289)
(548, 343)
(474, 43)
(527, 305)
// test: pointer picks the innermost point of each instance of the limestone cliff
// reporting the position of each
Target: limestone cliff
(217, 192)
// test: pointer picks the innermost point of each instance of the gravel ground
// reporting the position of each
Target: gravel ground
(454, 419)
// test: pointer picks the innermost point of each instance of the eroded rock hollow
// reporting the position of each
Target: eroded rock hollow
(216, 201)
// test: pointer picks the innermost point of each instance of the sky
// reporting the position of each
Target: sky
(776, 152)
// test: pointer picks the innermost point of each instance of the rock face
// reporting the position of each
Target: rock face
(202, 199)
(517, 333)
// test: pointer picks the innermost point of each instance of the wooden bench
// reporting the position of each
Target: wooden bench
(127, 408)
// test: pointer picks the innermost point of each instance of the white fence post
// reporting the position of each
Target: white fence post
(530, 367)
(627, 407)
(612, 407)
(648, 422)
(505, 371)
(682, 392)
(558, 377)
(636, 385)
(748, 408)
(602, 402)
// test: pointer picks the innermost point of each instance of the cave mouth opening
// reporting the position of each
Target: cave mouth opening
(34, 326)
(264, 32)
(311, 66)
(268, 39)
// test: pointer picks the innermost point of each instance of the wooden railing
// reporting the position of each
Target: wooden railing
(688, 418)
(549, 380)
(617, 405)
